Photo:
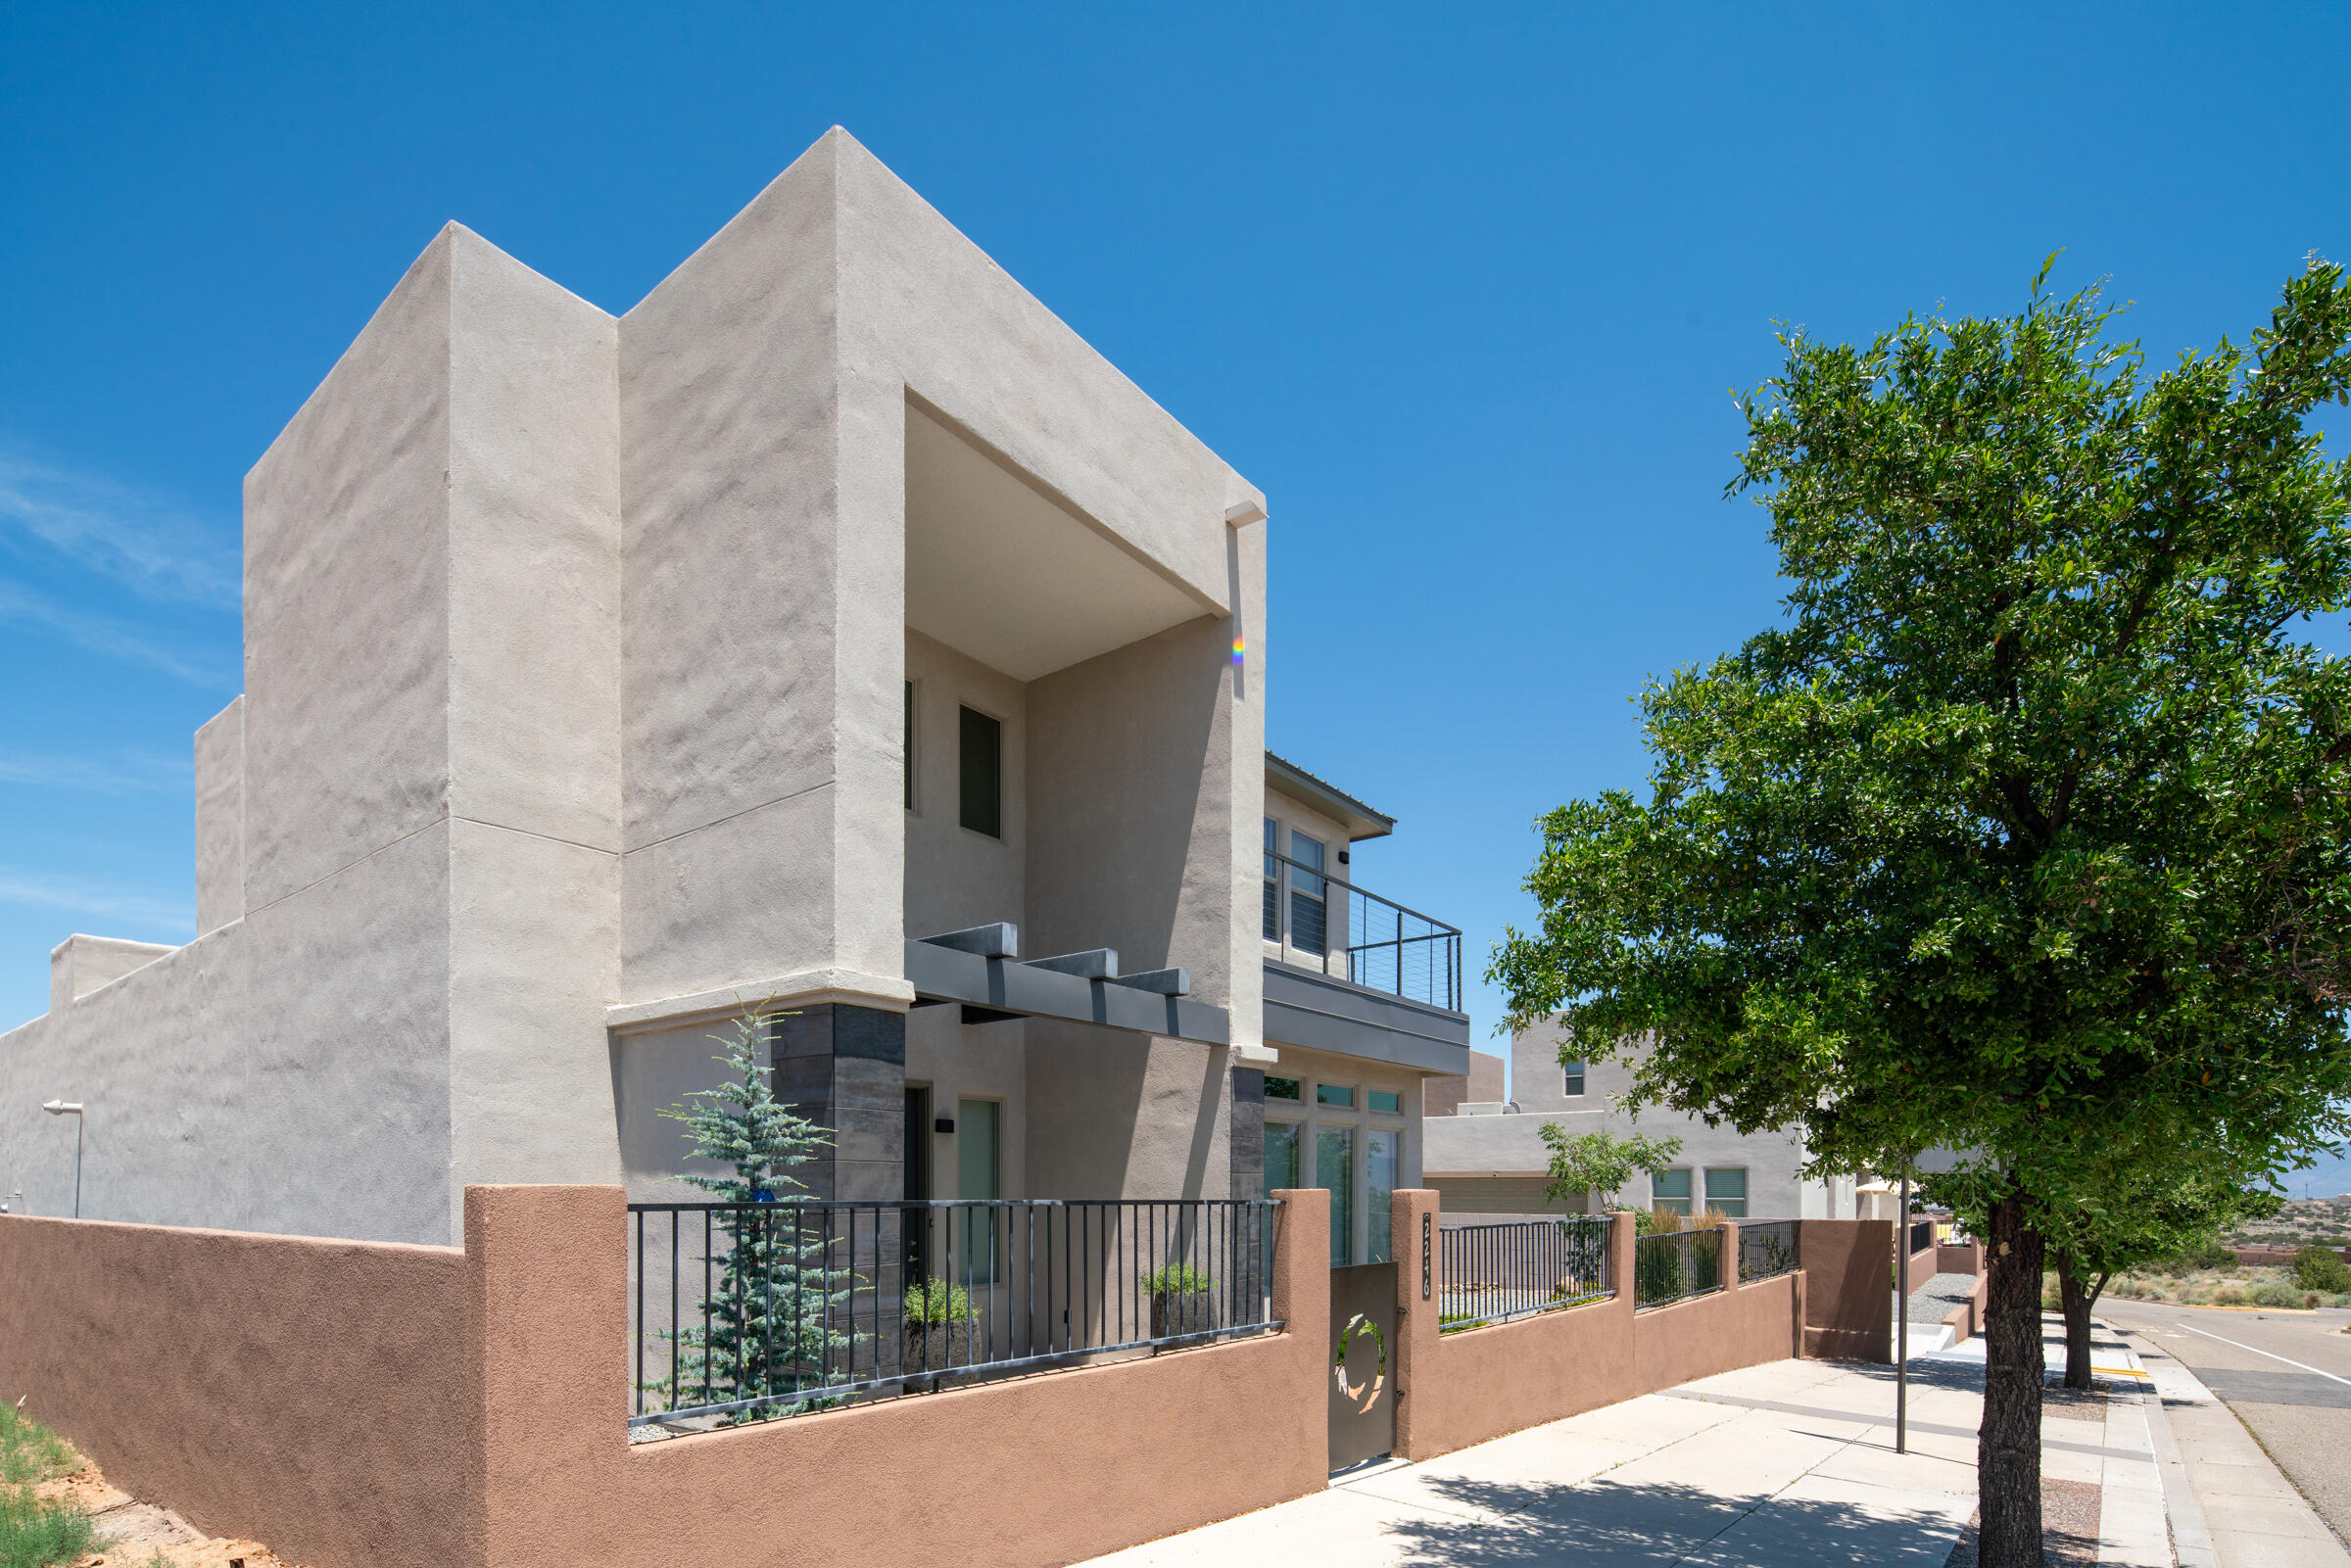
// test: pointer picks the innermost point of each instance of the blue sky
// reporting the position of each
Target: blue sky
(1465, 290)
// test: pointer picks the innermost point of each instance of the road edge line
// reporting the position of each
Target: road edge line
(2191, 1539)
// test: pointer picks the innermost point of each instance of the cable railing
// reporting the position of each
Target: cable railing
(744, 1312)
(1674, 1265)
(1387, 947)
(1766, 1249)
(1493, 1273)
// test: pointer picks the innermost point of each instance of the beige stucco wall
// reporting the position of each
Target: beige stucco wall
(574, 652)
(1482, 1162)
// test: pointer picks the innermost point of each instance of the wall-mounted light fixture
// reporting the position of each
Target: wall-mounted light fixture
(71, 1108)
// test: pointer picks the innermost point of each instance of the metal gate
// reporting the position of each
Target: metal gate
(1363, 1363)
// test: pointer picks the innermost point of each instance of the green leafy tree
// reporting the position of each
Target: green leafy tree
(2150, 1202)
(767, 1323)
(2029, 820)
(1601, 1163)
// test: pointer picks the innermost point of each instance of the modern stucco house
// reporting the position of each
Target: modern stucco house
(1487, 1157)
(833, 631)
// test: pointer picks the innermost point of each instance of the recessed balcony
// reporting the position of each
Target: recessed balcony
(1351, 972)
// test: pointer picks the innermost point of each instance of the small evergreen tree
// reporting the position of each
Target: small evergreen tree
(767, 1323)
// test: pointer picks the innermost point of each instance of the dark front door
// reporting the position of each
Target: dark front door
(1363, 1363)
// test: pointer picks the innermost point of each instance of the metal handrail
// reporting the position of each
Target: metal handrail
(1445, 977)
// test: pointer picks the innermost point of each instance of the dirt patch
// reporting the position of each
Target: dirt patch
(140, 1535)
(2069, 1527)
(2073, 1405)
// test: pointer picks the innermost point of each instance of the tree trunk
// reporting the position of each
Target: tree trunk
(2008, 1445)
(2074, 1300)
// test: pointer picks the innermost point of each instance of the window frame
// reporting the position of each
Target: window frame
(1571, 1079)
(1687, 1195)
(1706, 1179)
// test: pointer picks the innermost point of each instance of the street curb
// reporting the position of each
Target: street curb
(2191, 1540)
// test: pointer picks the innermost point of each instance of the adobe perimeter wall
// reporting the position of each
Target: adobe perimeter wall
(1043, 1470)
(1849, 1288)
(1464, 1388)
(377, 1405)
(310, 1394)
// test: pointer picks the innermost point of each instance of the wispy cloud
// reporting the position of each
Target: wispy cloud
(103, 634)
(128, 774)
(169, 916)
(150, 547)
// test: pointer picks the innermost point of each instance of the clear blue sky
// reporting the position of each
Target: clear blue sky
(1465, 297)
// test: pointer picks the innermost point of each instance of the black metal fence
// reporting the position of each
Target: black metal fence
(742, 1311)
(1493, 1273)
(1922, 1237)
(1766, 1248)
(1388, 947)
(1676, 1264)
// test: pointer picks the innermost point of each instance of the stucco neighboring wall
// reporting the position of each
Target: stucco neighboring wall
(363, 1407)
(310, 1394)
(1475, 1384)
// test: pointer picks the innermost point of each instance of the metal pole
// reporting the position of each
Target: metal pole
(80, 1121)
(1901, 1326)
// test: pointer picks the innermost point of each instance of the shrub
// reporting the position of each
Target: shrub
(2317, 1268)
(34, 1534)
(2227, 1295)
(2275, 1293)
(1178, 1279)
(934, 1301)
(2203, 1254)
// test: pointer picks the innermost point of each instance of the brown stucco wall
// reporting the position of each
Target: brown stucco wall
(310, 1394)
(334, 1400)
(1849, 1288)
(1045, 1470)
(1455, 1390)
(1924, 1266)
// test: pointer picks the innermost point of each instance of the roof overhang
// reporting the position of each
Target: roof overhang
(1360, 820)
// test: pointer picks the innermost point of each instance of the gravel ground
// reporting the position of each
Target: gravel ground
(2069, 1527)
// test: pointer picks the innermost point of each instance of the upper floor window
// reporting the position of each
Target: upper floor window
(1272, 881)
(1575, 1080)
(909, 750)
(1308, 918)
(1387, 1100)
(983, 773)
(1281, 1088)
(1334, 1094)
(1670, 1189)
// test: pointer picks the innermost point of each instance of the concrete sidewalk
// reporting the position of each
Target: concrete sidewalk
(1789, 1463)
(2232, 1506)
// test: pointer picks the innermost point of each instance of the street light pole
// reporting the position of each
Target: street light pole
(1901, 1323)
(72, 1108)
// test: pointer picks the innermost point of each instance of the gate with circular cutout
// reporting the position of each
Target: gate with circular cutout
(1363, 1363)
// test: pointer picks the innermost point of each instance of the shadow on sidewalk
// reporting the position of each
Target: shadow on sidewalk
(1569, 1527)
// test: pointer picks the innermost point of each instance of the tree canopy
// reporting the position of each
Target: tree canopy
(2028, 822)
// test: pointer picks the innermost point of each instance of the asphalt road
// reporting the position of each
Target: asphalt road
(2300, 1413)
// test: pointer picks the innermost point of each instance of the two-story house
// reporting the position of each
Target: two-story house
(835, 633)
(1488, 1158)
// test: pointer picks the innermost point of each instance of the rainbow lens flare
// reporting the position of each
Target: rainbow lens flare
(1238, 648)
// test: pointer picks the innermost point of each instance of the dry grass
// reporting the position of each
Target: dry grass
(2273, 1288)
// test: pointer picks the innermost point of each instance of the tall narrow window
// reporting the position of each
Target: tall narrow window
(1380, 1165)
(976, 1169)
(1309, 920)
(909, 748)
(1272, 881)
(1334, 1170)
(1575, 1080)
(983, 767)
(1282, 1154)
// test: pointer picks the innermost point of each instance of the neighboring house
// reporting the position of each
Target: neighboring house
(1488, 1158)
(834, 632)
